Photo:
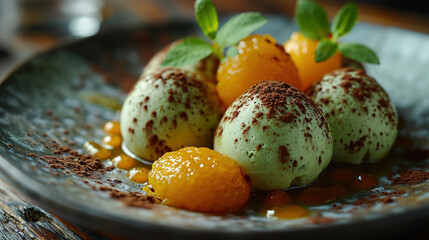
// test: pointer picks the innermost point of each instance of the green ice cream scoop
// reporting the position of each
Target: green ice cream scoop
(277, 135)
(362, 117)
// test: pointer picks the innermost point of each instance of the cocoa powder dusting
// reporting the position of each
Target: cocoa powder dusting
(148, 126)
(183, 115)
(411, 177)
(324, 100)
(153, 140)
(284, 155)
(346, 85)
(170, 98)
(382, 197)
(288, 117)
(275, 96)
(360, 85)
(181, 79)
(319, 219)
(383, 103)
(235, 114)
(356, 145)
(86, 166)
(83, 165)
(245, 130)
(133, 199)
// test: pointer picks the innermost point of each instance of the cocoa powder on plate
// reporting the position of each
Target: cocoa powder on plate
(411, 177)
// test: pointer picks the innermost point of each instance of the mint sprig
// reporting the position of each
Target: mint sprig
(358, 52)
(314, 24)
(186, 51)
(206, 15)
(239, 27)
(344, 20)
(192, 49)
(312, 20)
(325, 50)
(232, 51)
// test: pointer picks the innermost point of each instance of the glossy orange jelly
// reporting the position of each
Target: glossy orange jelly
(97, 150)
(342, 175)
(112, 127)
(277, 198)
(138, 174)
(125, 162)
(136, 171)
(302, 50)
(290, 211)
(318, 195)
(112, 140)
(260, 58)
(338, 181)
(364, 182)
(199, 179)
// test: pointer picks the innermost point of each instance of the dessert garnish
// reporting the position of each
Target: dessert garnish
(259, 58)
(314, 24)
(316, 49)
(199, 179)
(193, 49)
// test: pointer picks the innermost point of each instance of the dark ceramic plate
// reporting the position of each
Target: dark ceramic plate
(82, 83)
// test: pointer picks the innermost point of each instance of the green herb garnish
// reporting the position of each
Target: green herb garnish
(313, 23)
(193, 49)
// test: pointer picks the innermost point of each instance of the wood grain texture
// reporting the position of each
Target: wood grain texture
(20, 219)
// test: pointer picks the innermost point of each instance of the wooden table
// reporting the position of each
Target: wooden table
(22, 219)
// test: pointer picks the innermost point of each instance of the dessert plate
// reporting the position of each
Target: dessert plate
(65, 95)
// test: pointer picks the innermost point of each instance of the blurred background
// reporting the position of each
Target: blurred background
(29, 26)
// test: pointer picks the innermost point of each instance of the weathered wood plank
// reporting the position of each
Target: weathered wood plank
(21, 219)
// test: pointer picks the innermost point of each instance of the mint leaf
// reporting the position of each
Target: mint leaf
(312, 19)
(232, 51)
(190, 50)
(206, 15)
(325, 49)
(344, 20)
(358, 52)
(239, 27)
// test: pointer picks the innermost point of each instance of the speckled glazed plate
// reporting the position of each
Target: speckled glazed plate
(93, 76)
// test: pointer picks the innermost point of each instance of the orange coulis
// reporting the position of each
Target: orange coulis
(110, 150)
(336, 182)
(289, 211)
